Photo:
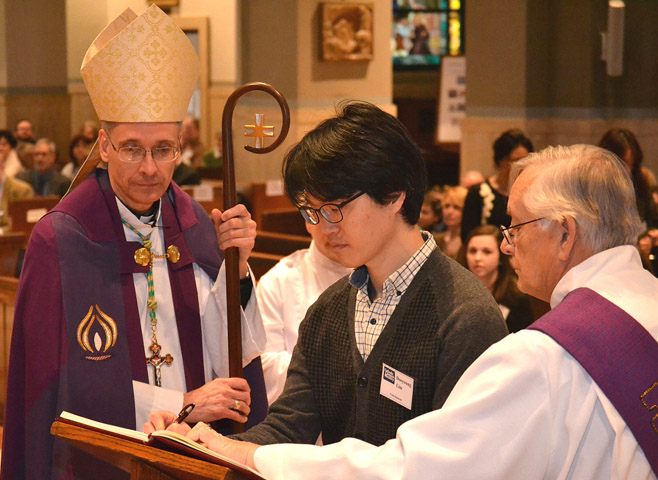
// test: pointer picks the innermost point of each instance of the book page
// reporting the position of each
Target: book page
(125, 432)
(162, 439)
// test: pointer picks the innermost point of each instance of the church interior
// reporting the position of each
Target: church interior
(533, 65)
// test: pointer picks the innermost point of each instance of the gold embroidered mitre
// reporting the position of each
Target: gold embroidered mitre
(141, 69)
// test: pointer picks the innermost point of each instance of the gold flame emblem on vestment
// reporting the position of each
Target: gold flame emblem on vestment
(97, 346)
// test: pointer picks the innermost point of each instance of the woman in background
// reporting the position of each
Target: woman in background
(8, 155)
(486, 203)
(482, 257)
(430, 212)
(79, 148)
(624, 144)
(450, 241)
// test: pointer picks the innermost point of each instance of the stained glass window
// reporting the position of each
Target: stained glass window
(426, 30)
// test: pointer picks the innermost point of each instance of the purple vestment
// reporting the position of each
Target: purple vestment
(619, 355)
(77, 341)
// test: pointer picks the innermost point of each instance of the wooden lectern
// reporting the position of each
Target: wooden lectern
(142, 461)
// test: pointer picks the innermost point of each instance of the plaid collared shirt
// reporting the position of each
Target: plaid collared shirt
(371, 317)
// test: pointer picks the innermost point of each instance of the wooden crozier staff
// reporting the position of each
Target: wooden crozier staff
(230, 199)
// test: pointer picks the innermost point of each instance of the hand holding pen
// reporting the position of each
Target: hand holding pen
(187, 409)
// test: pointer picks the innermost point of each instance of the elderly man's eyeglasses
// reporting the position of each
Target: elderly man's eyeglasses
(131, 154)
(331, 212)
(508, 233)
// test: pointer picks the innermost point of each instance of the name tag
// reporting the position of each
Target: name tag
(396, 386)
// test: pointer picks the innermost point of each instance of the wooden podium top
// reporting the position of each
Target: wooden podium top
(142, 461)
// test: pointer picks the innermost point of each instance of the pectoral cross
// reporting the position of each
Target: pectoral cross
(157, 361)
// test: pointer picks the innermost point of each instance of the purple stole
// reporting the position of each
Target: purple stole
(619, 355)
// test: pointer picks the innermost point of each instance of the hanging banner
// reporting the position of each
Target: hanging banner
(452, 100)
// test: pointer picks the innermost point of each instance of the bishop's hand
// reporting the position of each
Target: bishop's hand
(235, 228)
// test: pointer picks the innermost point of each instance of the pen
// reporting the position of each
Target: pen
(187, 409)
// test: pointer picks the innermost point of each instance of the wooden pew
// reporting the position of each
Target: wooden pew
(11, 245)
(261, 262)
(8, 287)
(24, 214)
(210, 194)
(280, 243)
(262, 199)
(212, 173)
(283, 221)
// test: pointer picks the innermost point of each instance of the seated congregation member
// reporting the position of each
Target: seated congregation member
(482, 256)
(536, 404)
(450, 241)
(470, 178)
(44, 178)
(430, 213)
(193, 149)
(8, 154)
(389, 342)
(624, 144)
(284, 294)
(214, 158)
(647, 245)
(11, 189)
(89, 131)
(79, 148)
(486, 203)
(185, 175)
(24, 131)
(121, 305)
(25, 153)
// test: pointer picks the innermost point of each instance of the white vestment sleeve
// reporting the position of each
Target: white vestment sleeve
(464, 439)
(498, 422)
(524, 409)
(213, 325)
(276, 358)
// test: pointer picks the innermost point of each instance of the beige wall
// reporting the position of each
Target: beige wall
(3, 49)
(281, 46)
(536, 65)
(33, 72)
(86, 19)
(275, 41)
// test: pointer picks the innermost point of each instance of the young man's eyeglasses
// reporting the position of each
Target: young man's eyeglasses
(131, 154)
(331, 212)
(508, 235)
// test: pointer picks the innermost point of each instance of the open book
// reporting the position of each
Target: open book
(164, 439)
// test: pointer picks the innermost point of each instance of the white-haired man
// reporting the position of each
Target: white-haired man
(121, 304)
(572, 397)
(45, 180)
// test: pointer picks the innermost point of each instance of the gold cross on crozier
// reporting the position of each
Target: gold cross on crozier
(258, 130)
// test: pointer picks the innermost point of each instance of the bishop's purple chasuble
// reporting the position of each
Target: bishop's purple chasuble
(77, 341)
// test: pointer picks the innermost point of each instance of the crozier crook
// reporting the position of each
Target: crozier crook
(230, 199)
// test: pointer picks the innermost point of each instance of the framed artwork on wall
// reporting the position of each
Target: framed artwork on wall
(347, 31)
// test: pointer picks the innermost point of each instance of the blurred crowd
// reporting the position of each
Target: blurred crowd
(38, 168)
(465, 219)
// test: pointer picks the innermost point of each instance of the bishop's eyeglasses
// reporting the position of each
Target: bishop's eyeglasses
(331, 212)
(508, 233)
(132, 154)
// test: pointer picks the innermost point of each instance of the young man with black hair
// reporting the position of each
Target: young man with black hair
(388, 342)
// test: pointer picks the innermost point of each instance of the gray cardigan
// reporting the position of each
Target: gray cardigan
(443, 322)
